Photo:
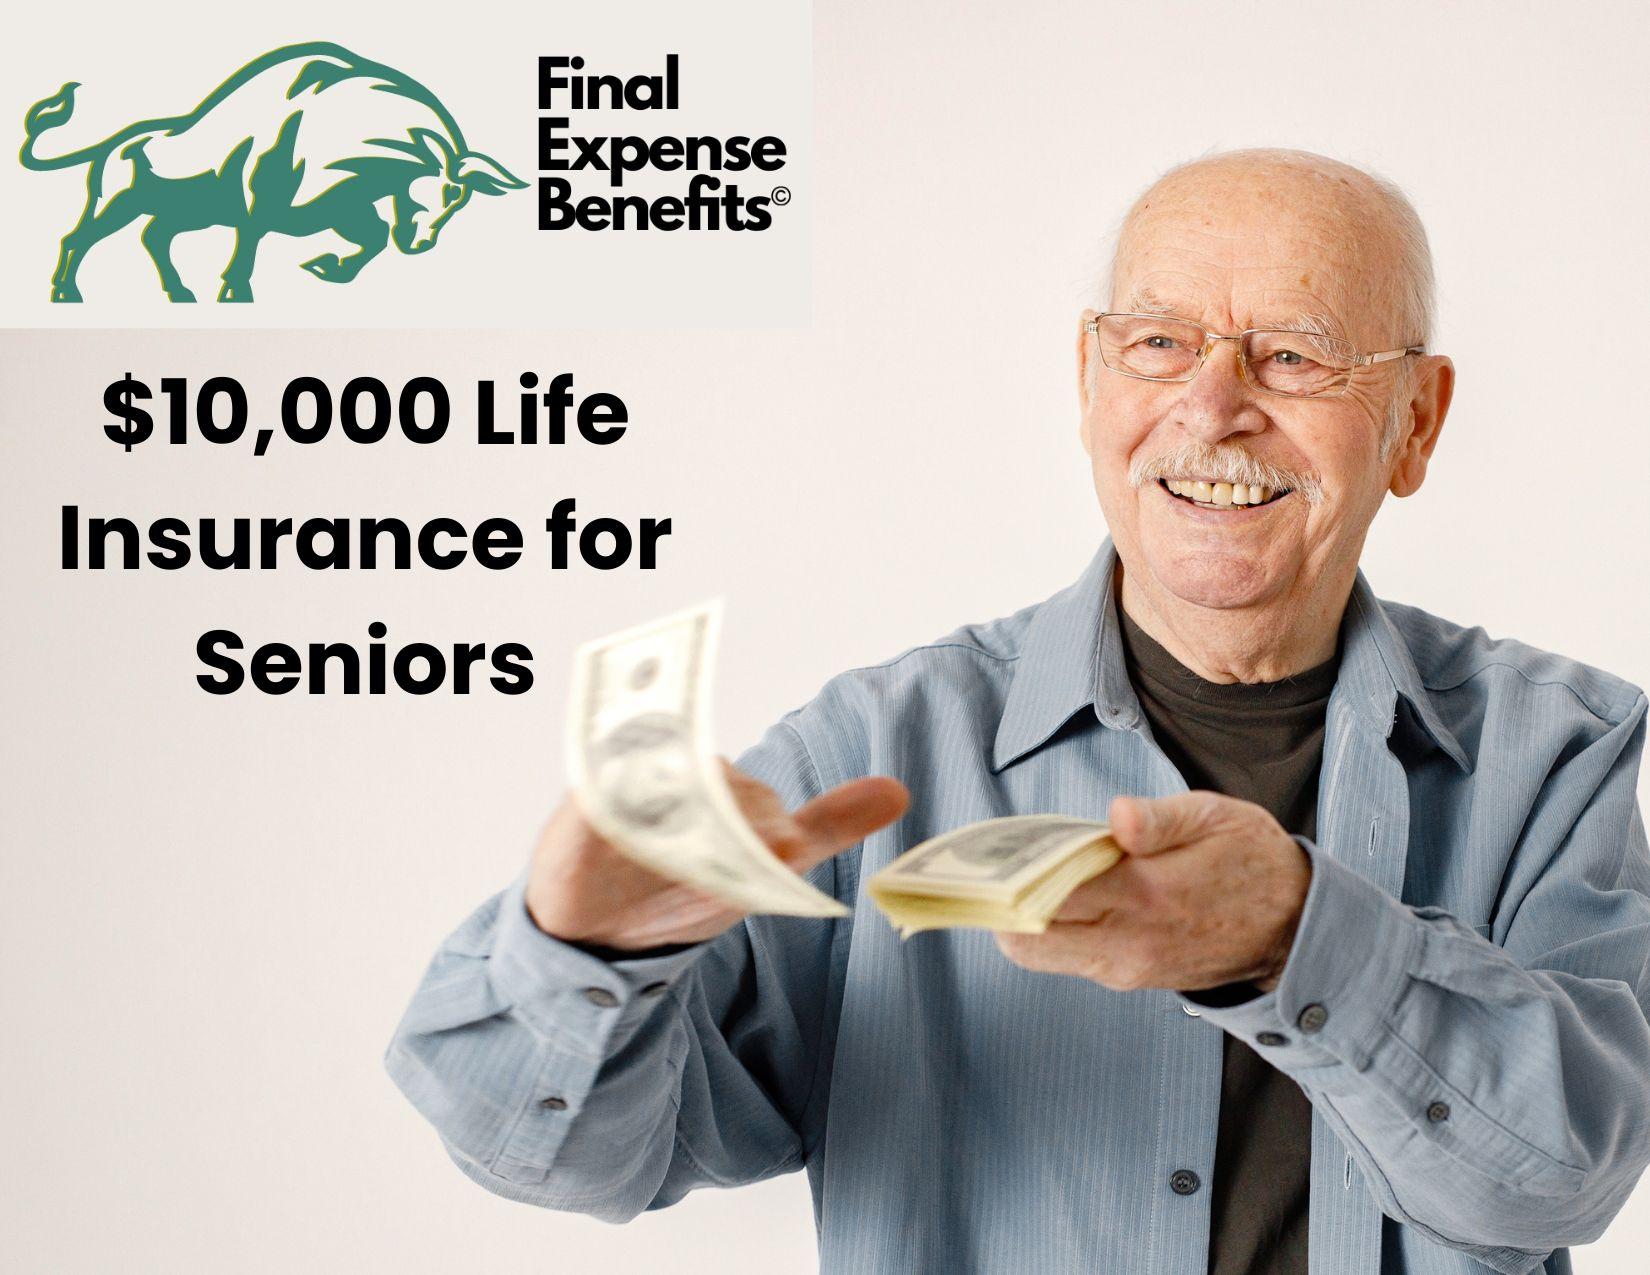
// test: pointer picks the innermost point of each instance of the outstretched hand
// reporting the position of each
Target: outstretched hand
(1209, 891)
(582, 888)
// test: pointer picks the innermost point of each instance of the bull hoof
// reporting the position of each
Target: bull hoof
(234, 292)
(180, 294)
(66, 293)
(328, 267)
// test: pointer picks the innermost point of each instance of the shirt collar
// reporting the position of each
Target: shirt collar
(1072, 660)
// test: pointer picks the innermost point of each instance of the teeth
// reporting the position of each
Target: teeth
(1220, 495)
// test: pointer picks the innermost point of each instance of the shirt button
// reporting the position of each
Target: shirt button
(1312, 1018)
(654, 989)
(1272, 1038)
(1194, 1013)
(601, 997)
(553, 1104)
(1184, 1182)
(1438, 1112)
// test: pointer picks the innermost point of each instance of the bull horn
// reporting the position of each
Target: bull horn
(439, 148)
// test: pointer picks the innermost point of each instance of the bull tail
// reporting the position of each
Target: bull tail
(49, 112)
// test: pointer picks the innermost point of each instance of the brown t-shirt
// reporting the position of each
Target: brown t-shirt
(1262, 742)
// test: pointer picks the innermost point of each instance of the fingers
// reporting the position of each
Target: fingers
(822, 827)
(1089, 902)
(759, 803)
(1114, 954)
(1060, 949)
(847, 814)
(1148, 825)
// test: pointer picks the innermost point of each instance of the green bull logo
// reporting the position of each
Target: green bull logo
(305, 139)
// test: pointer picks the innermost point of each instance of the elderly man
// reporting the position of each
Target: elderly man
(1368, 991)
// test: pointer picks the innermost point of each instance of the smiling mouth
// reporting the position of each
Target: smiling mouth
(1209, 495)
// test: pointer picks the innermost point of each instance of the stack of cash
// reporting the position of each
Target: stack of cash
(1003, 874)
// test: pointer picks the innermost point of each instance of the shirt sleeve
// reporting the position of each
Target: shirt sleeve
(1495, 1095)
(558, 1078)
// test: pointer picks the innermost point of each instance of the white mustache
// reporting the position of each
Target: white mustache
(1193, 459)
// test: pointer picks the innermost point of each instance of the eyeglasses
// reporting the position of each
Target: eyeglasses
(1155, 347)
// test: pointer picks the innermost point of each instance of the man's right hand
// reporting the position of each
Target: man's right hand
(582, 889)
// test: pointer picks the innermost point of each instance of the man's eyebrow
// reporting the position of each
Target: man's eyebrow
(1309, 321)
(1142, 300)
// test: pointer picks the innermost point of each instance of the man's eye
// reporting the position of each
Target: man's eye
(1160, 343)
(1290, 358)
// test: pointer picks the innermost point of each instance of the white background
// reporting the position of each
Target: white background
(212, 911)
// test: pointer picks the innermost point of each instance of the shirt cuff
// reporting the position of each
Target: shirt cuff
(1351, 959)
(570, 995)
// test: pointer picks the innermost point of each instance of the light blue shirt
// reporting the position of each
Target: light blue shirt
(1465, 1002)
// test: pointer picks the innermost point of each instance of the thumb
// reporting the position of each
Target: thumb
(847, 814)
(1148, 825)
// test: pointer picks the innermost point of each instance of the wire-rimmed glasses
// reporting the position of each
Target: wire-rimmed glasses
(1296, 364)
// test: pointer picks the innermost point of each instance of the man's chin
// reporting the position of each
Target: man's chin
(1221, 580)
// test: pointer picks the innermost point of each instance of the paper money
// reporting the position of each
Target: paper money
(644, 770)
(1003, 874)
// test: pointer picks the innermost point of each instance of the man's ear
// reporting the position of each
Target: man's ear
(1085, 380)
(1428, 406)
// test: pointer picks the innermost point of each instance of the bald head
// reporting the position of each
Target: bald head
(1373, 262)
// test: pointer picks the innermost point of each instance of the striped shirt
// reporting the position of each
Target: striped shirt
(1464, 1005)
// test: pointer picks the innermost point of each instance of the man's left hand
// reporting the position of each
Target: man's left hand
(1209, 891)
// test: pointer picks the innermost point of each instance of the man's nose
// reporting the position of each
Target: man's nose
(1218, 402)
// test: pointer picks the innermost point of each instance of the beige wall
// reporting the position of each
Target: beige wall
(213, 910)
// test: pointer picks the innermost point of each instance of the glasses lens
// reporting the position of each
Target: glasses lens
(1299, 363)
(1145, 345)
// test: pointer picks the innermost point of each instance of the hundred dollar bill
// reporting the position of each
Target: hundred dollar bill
(1003, 874)
(644, 771)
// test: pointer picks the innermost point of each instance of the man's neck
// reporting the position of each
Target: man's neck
(1247, 644)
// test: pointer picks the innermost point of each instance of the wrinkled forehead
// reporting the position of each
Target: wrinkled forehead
(1242, 254)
